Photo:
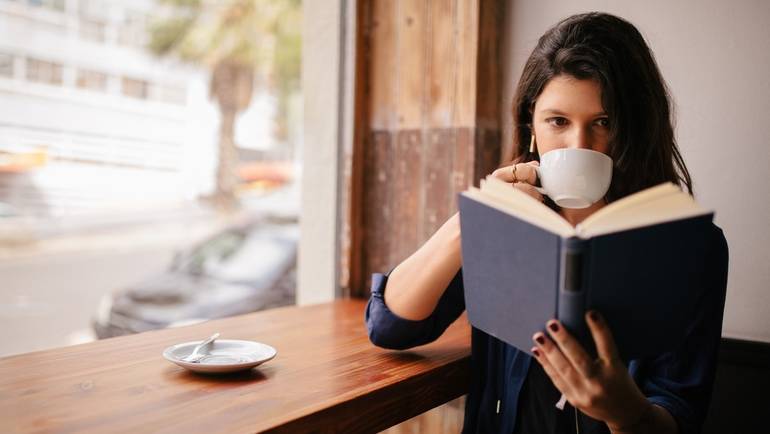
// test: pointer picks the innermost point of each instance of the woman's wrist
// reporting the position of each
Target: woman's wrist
(650, 419)
(643, 422)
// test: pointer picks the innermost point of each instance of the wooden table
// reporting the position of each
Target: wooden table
(327, 377)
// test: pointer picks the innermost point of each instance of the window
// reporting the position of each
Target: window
(6, 65)
(58, 5)
(92, 29)
(138, 160)
(171, 94)
(44, 72)
(93, 8)
(92, 80)
(133, 30)
(135, 88)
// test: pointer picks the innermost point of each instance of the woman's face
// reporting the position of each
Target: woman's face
(569, 114)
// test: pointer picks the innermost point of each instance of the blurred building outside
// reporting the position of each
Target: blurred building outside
(105, 153)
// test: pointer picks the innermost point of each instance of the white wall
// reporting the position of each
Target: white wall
(715, 56)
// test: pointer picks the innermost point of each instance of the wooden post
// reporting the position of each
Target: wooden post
(427, 126)
(427, 123)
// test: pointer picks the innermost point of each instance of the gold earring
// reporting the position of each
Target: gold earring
(532, 144)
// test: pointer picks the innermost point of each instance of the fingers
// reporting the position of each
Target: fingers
(596, 387)
(605, 344)
(530, 190)
(552, 372)
(525, 172)
(525, 178)
(571, 349)
(504, 174)
(551, 352)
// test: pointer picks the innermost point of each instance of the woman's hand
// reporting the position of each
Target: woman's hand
(525, 180)
(600, 388)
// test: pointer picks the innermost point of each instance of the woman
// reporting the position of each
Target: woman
(592, 83)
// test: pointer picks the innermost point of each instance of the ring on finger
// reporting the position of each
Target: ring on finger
(513, 174)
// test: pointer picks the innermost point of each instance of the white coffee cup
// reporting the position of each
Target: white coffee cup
(574, 178)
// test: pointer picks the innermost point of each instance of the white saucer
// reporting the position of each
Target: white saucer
(225, 355)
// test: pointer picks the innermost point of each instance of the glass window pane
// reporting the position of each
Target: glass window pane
(44, 72)
(58, 5)
(171, 94)
(170, 208)
(132, 31)
(92, 80)
(93, 30)
(6, 65)
(135, 88)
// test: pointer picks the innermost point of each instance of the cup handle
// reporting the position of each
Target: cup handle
(540, 190)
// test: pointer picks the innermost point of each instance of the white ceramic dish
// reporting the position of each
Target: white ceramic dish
(225, 355)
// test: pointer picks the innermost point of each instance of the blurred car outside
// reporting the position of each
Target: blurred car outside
(246, 267)
(7, 211)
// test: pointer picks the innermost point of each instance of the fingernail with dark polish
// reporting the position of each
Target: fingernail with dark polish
(553, 326)
(594, 316)
(540, 339)
(535, 351)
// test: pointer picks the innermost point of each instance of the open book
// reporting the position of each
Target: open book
(639, 261)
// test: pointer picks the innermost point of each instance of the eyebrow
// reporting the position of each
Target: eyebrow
(561, 113)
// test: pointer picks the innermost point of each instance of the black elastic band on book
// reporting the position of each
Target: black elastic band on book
(573, 271)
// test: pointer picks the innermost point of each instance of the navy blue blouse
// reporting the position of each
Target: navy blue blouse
(679, 381)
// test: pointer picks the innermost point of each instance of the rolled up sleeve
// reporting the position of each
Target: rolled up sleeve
(388, 330)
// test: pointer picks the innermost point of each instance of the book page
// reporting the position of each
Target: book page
(662, 203)
(637, 198)
(504, 197)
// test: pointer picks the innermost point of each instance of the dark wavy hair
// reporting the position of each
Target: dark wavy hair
(610, 50)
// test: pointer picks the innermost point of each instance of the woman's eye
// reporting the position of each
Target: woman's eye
(603, 122)
(558, 121)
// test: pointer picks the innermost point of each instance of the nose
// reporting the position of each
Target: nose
(580, 138)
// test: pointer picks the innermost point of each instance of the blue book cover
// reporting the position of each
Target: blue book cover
(644, 278)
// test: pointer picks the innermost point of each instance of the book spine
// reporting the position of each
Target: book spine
(572, 294)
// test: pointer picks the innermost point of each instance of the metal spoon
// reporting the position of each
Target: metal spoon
(196, 356)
